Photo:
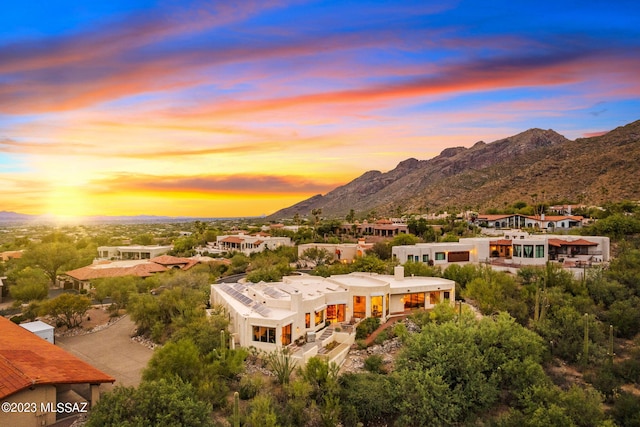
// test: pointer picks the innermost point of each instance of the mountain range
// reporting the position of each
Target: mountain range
(535, 164)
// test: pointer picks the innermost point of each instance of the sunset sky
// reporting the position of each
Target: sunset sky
(219, 108)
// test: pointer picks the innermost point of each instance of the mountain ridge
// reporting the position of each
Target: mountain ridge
(488, 175)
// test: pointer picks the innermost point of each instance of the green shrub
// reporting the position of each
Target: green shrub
(382, 337)
(374, 363)
(366, 327)
(249, 387)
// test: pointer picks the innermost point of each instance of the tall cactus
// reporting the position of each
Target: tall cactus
(585, 352)
(223, 343)
(236, 409)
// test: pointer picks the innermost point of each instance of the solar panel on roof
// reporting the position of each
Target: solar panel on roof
(239, 287)
(288, 289)
(237, 295)
(261, 309)
(273, 292)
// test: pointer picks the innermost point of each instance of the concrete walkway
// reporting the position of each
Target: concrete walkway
(112, 351)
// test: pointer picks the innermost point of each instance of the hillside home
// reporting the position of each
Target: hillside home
(9, 255)
(42, 375)
(342, 252)
(247, 244)
(274, 315)
(380, 228)
(541, 222)
(131, 252)
(515, 248)
(81, 278)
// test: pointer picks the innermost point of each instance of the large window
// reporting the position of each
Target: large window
(307, 320)
(376, 306)
(319, 317)
(528, 251)
(414, 300)
(539, 251)
(286, 334)
(517, 251)
(359, 307)
(386, 300)
(264, 334)
(336, 313)
(440, 256)
(425, 258)
(434, 298)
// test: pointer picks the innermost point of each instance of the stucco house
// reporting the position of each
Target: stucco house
(246, 243)
(515, 248)
(341, 252)
(275, 315)
(53, 383)
(134, 252)
(81, 278)
(541, 222)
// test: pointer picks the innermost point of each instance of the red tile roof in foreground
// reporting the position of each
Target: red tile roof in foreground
(26, 360)
(577, 242)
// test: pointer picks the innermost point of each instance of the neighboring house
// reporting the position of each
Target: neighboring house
(515, 248)
(8, 255)
(81, 278)
(247, 244)
(131, 252)
(273, 315)
(53, 383)
(342, 252)
(542, 222)
(380, 228)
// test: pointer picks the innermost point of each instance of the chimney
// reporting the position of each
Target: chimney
(542, 217)
(398, 272)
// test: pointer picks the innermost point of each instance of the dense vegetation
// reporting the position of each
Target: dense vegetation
(550, 350)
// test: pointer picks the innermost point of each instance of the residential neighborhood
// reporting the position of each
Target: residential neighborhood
(322, 292)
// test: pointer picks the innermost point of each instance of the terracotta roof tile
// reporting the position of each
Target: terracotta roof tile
(26, 359)
(577, 242)
(233, 239)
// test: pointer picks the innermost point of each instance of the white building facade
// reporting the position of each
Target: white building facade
(132, 252)
(515, 247)
(272, 315)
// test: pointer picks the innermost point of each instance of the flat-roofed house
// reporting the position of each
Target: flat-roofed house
(135, 252)
(37, 373)
(274, 315)
(515, 248)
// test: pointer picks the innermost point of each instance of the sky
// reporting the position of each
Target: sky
(220, 108)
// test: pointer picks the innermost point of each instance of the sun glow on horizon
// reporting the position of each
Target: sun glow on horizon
(197, 109)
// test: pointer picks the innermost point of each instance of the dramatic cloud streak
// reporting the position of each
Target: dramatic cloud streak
(245, 108)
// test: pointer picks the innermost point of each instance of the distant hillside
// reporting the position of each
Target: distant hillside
(485, 176)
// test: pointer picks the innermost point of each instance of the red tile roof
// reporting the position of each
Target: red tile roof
(577, 242)
(490, 217)
(232, 239)
(141, 270)
(556, 217)
(26, 360)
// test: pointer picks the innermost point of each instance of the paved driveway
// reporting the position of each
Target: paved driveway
(112, 351)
